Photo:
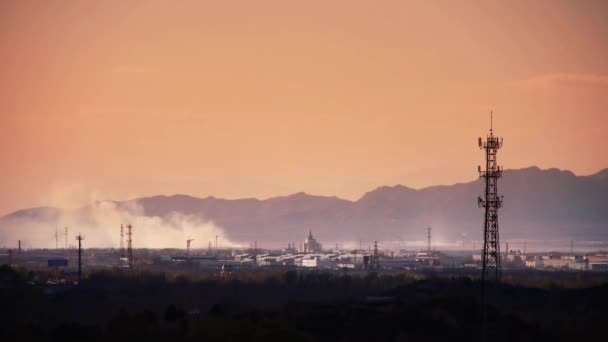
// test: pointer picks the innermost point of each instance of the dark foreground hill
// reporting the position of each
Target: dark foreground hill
(300, 306)
(538, 204)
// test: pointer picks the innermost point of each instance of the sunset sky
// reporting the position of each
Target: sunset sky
(120, 99)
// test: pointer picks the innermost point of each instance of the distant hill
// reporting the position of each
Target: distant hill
(538, 204)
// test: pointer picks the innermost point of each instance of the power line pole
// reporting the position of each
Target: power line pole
(571, 247)
(376, 263)
(66, 237)
(79, 237)
(428, 240)
(122, 243)
(130, 246)
(188, 241)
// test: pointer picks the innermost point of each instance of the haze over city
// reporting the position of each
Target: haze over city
(124, 99)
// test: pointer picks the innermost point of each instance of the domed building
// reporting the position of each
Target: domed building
(311, 245)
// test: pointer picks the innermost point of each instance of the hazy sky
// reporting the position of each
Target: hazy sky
(117, 99)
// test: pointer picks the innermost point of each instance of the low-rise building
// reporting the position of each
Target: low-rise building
(556, 263)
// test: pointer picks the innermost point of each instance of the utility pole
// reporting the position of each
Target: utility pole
(66, 237)
(216, 251)
(56, 238)
(255, 252)
(79, 237)
(428, 241)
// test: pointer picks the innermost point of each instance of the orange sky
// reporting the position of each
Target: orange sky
(117, 99)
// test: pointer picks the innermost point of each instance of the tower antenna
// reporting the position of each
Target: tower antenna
(492, 202)
(491, 268)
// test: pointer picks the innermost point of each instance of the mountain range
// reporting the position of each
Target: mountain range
(548, 204)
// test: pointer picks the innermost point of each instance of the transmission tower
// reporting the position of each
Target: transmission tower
(188, 241)
(491, 244)
(572, 248)
(122, 242)
(66, 237)
(130, 246)
(375, 261)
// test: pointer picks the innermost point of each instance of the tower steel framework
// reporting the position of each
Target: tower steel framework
(188, 242)
(130, 246)
(490, 255)
(375, 260)
(122, 244)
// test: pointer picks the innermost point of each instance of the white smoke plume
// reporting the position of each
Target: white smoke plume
(99, 223)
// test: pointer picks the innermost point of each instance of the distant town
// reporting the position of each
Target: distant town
(309, 254)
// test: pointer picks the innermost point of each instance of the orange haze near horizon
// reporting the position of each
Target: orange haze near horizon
(118, 99)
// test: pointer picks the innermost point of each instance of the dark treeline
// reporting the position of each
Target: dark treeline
(300, 306)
